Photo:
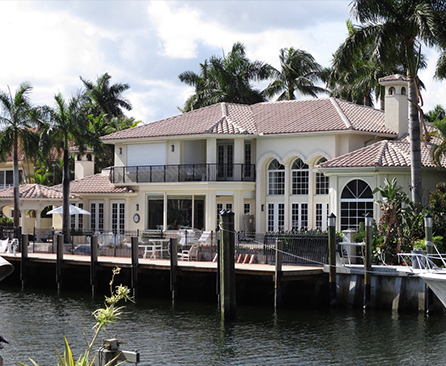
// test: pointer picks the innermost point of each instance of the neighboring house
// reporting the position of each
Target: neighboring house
(278, 165)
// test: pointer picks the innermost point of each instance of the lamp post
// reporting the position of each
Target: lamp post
(428, 222)
(332, 257)
(368, 261)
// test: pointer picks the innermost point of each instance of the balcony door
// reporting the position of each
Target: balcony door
(225, 170)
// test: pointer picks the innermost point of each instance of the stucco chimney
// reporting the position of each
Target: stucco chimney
(396, 103)
(83, 164)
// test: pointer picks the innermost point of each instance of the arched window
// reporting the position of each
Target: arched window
(299, 174)
(392, 91)
(322, 182)
(79, 157)
(403, 91)
(356, 201)
(276, 178)
(89, 157)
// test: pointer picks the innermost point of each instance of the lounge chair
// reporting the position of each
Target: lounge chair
(190, 254)
(4, 245)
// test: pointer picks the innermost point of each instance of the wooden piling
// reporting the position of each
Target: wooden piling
(93, 263)
(332, 258)
(173, 266)
(368, 267)
(278, 276)
(24, 259)
(429, 295)
(227, 266)
(135, 263)
(59, 261)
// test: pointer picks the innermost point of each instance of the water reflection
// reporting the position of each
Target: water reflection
(193, 334)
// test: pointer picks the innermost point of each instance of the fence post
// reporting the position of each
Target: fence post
(59, 261)
(24, 260)
(227, 266)
(368, 261)
(332, 258)
(135, 252)
(430, 250)
(173, 266)
(278, 275)
(93, 263)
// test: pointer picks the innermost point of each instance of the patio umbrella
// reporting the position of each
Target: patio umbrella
(73, 211)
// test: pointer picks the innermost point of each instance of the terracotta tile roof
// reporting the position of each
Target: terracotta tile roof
(97, 183)
(395, 77)
(382, 154)
(36, 191)
(267, 118)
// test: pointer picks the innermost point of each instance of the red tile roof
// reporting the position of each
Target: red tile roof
(283, 117)
(97, 183)
(36, 191)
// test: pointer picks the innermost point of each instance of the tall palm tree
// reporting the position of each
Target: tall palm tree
(66, 123)
(389, 25)
(17, 117)
(226, 79)
(106, 98)
(298, 72)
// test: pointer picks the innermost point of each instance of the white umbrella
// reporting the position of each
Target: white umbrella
(73, 211)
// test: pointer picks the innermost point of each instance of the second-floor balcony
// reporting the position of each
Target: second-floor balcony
(182, 173)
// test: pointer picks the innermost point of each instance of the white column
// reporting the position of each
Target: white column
(165, 212)
(287, 196)
(238, 209)
(23, 221)
(107, 214)
(311, 196)
(211, 211)
(211, 150)
(38, 223)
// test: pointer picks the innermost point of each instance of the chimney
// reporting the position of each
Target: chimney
(83, 164)
(396, 103)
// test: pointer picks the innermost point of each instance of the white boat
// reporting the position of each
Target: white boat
(6, 268)
(437, 283)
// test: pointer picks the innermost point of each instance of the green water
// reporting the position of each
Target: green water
(192, 333)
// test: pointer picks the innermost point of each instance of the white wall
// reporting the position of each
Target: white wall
(146, 154)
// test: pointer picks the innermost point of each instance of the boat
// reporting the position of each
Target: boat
(6, 268)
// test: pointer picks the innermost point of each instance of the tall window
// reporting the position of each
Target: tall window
(97, 216)
(299, 173)
(276, 216)
(276, 178)
(155, 208)
(247, 168)
(322, 182)
(118, 217)
(356, 201)
(299, 215)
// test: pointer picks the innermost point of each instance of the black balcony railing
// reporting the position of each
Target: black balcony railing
(183, 173)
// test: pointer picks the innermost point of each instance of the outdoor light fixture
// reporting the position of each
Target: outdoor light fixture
(263, 207)
(368, 219)
(428, 220)
(120, 151)
(172, 148)
(137, 207)
(332, 220)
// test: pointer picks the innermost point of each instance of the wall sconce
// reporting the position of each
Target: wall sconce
(263, 207)
(137, 207)
(332, 220)
(120, 151)
(172, 148)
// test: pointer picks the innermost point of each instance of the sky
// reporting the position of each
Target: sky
(147, 44)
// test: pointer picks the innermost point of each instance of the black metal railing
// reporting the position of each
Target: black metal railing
(183, 173)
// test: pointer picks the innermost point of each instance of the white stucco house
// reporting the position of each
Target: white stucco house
(277, 165)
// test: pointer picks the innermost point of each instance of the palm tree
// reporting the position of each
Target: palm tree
(438, 150)
(66, 123)
(226, 79)
(106, 98)
(17, 117)
(299, 72)
(438, 113)
(390, 25)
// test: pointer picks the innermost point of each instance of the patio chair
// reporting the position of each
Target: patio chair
(189, 254)
(4, 245)
(205, 238)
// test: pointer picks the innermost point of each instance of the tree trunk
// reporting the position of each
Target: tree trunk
(15, 181)
(66, 197)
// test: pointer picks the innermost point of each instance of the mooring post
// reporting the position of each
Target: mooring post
(93, 263)
(227, 265)
(368, 261)
(59, 261)
(278, 275)
(24, 259)
(173, 266)
(135, 262)
(428, 221)
(332, 258)
(217, 277)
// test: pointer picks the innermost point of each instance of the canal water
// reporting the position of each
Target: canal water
(192, 334)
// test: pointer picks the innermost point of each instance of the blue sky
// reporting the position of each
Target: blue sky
(148, 43)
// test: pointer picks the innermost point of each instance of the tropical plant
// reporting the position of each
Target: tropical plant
(438, 149)
(66, 123)
(391, 204)
(438, 113)
(390, 25)
(226, 79)
(298, 72)
(17, 119)
(105, 98)
(110, 313)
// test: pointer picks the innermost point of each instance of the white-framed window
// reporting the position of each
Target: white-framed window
(118, 217)
(223, 205)
(248, 153)
(322, 182)
(276, 216)
(247, 208)
(276, 178)
(300, 177)
(97, 216)
(321, 215)
(356, 201)
(77, 221)
(299, 215)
